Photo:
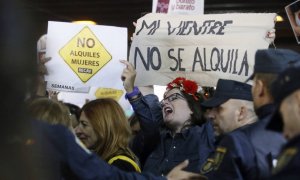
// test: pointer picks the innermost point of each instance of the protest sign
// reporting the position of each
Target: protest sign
(85, 60)
(85, 55)
(160, 6)
(178, 6)
(199, 47)
(186, 7)
(94, 93)
(293, 13)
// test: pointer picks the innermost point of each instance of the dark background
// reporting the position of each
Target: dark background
(124, 12)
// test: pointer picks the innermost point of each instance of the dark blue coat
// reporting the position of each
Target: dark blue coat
(247, 152)
(57, 154)
(288, 166)
(164, 150)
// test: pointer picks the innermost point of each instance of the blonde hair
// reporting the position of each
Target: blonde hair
(111, 127)
(50, 111)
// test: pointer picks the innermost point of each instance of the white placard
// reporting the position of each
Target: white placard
(178, 6)
(186, 7)
(85, 58)
(199, 47)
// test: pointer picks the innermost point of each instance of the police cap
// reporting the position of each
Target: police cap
(286, 83)
(273, 60)
(228, 89)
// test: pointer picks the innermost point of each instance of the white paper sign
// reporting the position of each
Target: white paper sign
(81, 98)
(178, 6)
(85, 58)
(203, 48)
(186, 7)
(85, 55)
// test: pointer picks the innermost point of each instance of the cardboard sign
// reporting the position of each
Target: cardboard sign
(203, 48)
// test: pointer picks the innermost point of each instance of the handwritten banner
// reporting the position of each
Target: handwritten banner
(199, 47)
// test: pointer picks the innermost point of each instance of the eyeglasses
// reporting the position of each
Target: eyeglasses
(171, 98)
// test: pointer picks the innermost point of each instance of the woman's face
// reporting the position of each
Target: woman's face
(85, 132)
(175, 109)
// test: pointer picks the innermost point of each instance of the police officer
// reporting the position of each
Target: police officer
(232, 110)
(266, 144)
(286, 93)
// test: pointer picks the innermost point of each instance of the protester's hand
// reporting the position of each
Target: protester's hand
(134, 24)
(42, 71)
(128, 76)
(53, 95)
(270, 36)
(177, 173)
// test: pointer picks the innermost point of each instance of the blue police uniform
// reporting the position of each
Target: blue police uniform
(266, 143)
(59, 154)
(288, 164)
(247, 152)
(194, 143)
(233, 158)
(288, 161)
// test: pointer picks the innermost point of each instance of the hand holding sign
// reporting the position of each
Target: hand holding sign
(128, 76)
(270, 37)
(42, 70)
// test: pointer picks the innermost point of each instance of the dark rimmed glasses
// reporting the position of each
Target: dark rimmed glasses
(171, 98)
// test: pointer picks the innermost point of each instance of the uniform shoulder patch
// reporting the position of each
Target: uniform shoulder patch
(284, 158)
(207, 166)
(214, 162)
(219, 155)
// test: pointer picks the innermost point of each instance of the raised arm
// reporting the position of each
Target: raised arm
(147, 108)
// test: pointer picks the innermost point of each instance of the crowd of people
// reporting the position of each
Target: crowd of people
(237, 117)
(244, 130)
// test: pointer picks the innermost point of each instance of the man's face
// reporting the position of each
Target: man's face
(289, 110)
(224, 117)
(175, 109)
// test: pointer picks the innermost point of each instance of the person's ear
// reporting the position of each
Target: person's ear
(297, 100)
(242, 113)
(260, 87)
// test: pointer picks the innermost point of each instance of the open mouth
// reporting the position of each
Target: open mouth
(168, 110)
